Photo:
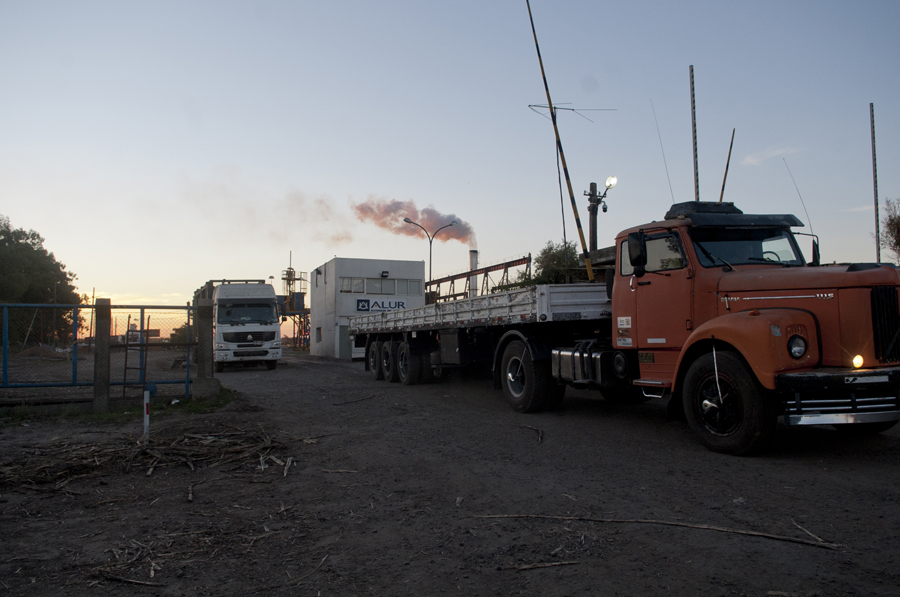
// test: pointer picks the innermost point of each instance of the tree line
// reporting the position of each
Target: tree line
(31, 274)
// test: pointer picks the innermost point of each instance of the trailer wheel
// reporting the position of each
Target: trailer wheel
(374, 357)
(409, 364)
(743, 420)
(525, 383)
(389, 361)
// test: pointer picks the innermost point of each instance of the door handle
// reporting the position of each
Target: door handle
(644, 283)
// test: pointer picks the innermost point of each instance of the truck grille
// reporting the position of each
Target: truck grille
(242, 336)
(886, 323)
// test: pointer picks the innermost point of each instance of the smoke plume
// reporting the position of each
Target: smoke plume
(389, 214)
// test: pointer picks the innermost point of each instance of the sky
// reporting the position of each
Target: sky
(157, 145)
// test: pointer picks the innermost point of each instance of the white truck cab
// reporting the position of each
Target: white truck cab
(245, 324)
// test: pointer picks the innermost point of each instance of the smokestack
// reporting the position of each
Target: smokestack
(473, 280)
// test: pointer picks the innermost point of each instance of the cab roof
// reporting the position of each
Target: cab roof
(707, 213)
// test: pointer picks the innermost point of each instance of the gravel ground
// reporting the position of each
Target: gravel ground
(318, 480)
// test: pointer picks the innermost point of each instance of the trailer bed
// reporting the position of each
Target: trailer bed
(543, 303)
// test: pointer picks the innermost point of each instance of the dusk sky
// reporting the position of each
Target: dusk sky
(157, 145)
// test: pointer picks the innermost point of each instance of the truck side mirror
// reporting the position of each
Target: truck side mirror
(816, 259)
(637, 249)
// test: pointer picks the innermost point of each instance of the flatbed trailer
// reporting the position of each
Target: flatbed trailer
(513, 332)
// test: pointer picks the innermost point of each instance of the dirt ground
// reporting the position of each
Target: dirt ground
(317, 480)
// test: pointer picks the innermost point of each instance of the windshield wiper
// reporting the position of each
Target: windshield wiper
(711, 257)
(764, 260)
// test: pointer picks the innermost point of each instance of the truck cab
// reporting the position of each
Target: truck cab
(246, 327)
(720, 309)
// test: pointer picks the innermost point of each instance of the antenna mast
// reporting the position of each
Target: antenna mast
(875, 183)
(727, 163)
(562, 156)
(694, 126)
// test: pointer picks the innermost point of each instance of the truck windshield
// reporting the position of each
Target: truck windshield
(745, 246)
(246, 312)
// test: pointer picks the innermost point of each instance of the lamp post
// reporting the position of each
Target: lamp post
(430, 239)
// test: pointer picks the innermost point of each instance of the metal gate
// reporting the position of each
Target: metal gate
(48, 351)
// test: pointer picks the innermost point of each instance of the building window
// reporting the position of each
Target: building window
(381, 286)
(355, 285)
(318, 334)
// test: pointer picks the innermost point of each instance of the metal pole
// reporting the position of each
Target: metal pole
(74, 345)
(430, 239)
(727, 163)
(694, 127)
(562, 156)
(875, 184)
(6, 345)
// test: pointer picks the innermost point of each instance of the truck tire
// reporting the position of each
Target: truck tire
(389, 361)
(220, 367)
(409, 364)
(270, 365)
(525, 383)
(374, 358)
(744, 422)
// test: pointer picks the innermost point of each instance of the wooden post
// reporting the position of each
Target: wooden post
(101, 355)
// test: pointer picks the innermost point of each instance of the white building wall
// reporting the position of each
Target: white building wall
(331, 309)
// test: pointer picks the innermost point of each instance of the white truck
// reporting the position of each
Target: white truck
(246, 327)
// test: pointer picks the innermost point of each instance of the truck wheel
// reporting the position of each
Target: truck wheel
(270, 365)
(389, 361)
(408, 364)
(374, 357)
(864, 429)
(743, 421)
(525, 383)
(220, 366)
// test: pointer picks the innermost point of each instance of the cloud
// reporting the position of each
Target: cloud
(852, 209)
(755, 159)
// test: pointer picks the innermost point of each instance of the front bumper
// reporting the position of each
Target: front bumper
(247, 354)
(837, 396)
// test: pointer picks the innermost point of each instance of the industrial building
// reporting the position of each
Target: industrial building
(343, 288)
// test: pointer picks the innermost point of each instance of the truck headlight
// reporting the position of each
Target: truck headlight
(276, 344)
(221, 346)
(858, 361)
(797, 346)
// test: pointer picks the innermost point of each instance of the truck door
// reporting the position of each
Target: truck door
(663, 295)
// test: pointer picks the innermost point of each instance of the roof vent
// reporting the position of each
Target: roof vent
(701, 207)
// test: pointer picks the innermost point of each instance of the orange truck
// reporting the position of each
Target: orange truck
(714, 309)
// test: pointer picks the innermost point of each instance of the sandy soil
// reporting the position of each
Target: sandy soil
(318, 480)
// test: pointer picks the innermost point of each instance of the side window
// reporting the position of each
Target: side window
(664, 253)
(625, 267)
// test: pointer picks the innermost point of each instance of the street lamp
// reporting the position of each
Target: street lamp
(430, 239)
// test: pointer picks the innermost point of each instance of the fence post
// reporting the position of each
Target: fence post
(101, 355)
(205, 385)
